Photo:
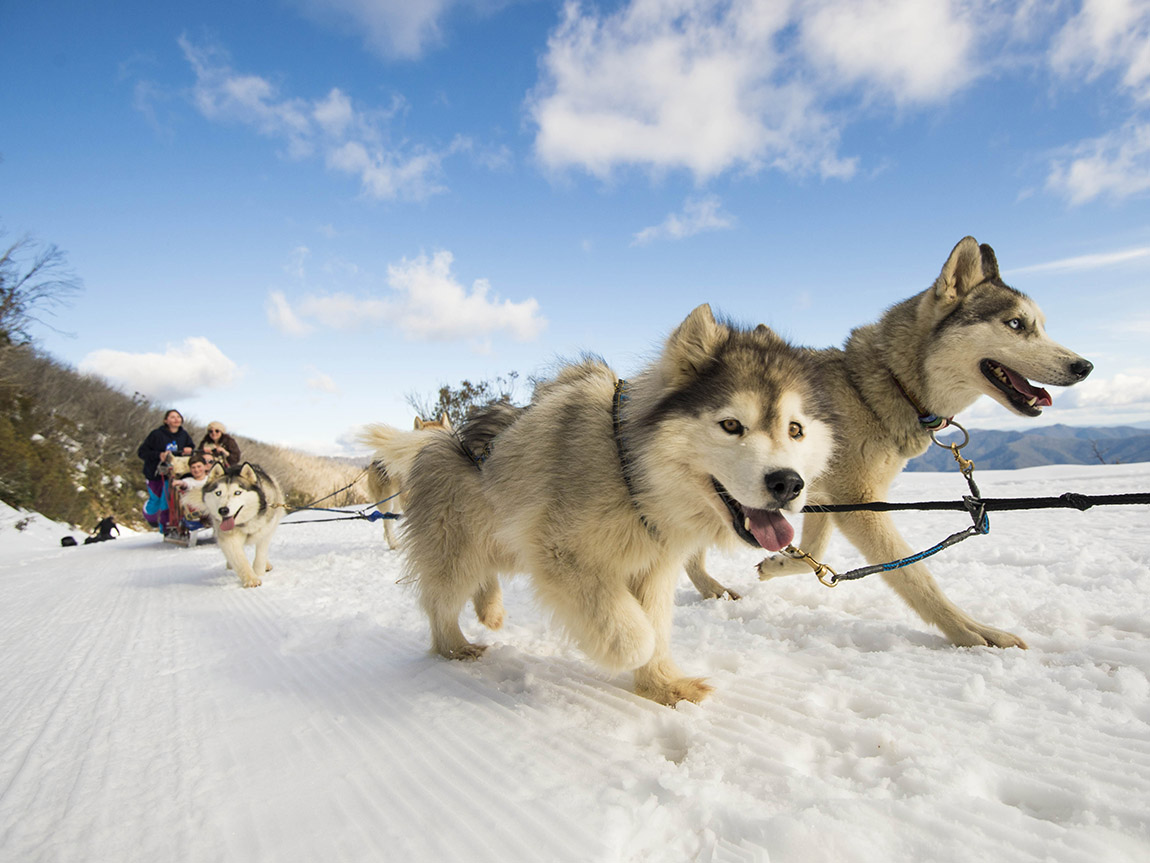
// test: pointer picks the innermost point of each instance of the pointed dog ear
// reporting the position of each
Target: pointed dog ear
(418, 424)
(445, 420)
(692, 345)
(216, 472)
(247, 473)
(968, 265)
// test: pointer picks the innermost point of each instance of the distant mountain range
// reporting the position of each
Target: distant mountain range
(1056, 444)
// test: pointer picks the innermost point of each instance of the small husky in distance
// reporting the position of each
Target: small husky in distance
(244, 506)
(600, 489)
(928, 357)
(393, 452)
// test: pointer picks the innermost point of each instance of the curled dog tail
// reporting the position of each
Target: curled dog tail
(394, 450)
(481, 428)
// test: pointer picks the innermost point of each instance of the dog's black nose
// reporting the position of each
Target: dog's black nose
(1080, 368)
(223, 510)
(784, 485)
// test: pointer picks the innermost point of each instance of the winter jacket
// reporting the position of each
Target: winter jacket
(161, 440)
(228, 443)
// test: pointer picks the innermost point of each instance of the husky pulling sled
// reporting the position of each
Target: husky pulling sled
(897, 381)
(600, 491)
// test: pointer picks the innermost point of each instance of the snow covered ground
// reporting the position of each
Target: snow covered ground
(152, 710)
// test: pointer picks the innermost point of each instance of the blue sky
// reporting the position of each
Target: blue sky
(289, 216)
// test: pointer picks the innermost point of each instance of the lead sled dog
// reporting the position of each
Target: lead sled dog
(393, 453)
(244, 505)
(600, 489)
(928, 357)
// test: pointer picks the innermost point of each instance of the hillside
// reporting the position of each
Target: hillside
(1056, 444)
(68, 446)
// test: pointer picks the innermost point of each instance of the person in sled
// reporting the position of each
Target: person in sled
(162, 443)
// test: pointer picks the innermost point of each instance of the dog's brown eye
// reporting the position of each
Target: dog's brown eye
(795, 430)
(732, 426)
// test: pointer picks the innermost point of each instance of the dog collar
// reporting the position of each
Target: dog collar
(929, 422)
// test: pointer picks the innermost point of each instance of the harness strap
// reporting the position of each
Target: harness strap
(617, 400)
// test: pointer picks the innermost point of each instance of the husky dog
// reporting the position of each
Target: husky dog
(394, 451)
(600, 489)
(926, 359)
(244, 505)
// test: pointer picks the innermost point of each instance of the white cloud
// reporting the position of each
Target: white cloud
(351, 140)
(425, 303)
(1124, 390)
(716, 85)
(911, 50)
(283, 317)
(434, 306)
(1116, 165)
(182, 371)
(698, 215)
(1107, 35)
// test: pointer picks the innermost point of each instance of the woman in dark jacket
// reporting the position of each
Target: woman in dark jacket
(219, 443)
(169, 438)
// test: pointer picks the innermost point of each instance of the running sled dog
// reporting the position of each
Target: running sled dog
(244, 506)
(601, 488)
(393, 453)
(928, 357)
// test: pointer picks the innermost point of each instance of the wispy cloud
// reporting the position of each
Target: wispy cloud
(181, 371)
(424, 302)
(1098, 261)
(401, 29)
(1116, 166)
(698, 215)
(351, 140)
(320, 382)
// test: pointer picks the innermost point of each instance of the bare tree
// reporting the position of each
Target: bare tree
(35, 280)
(459, 402)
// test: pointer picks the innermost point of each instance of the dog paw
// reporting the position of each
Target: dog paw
(491, 615)
(251, 582)
(977, 635)
(693, 689)
(467, 653)
(778, 564)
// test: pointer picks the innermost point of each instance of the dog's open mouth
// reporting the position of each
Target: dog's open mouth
(1024, 396)
(229, 522)
(762, 528)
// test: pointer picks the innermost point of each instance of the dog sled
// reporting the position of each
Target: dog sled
(183, 527)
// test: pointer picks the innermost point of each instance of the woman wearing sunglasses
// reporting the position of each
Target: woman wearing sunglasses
(219, 443)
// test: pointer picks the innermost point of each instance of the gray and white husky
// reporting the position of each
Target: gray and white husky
(244, 505)
(928, 357)
(600, 489)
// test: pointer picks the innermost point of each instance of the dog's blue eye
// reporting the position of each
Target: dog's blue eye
(732, 426)
(1015, 323)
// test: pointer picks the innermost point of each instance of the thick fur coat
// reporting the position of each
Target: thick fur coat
(600, 494)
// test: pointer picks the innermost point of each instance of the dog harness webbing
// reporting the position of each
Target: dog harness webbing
(621, 446)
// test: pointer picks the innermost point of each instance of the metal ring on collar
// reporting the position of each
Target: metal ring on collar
(951, 424)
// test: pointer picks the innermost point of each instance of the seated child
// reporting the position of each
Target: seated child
(189, 487)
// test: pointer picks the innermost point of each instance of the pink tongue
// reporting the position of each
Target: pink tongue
(770, 529)
(228, 523)
(1027, 389)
